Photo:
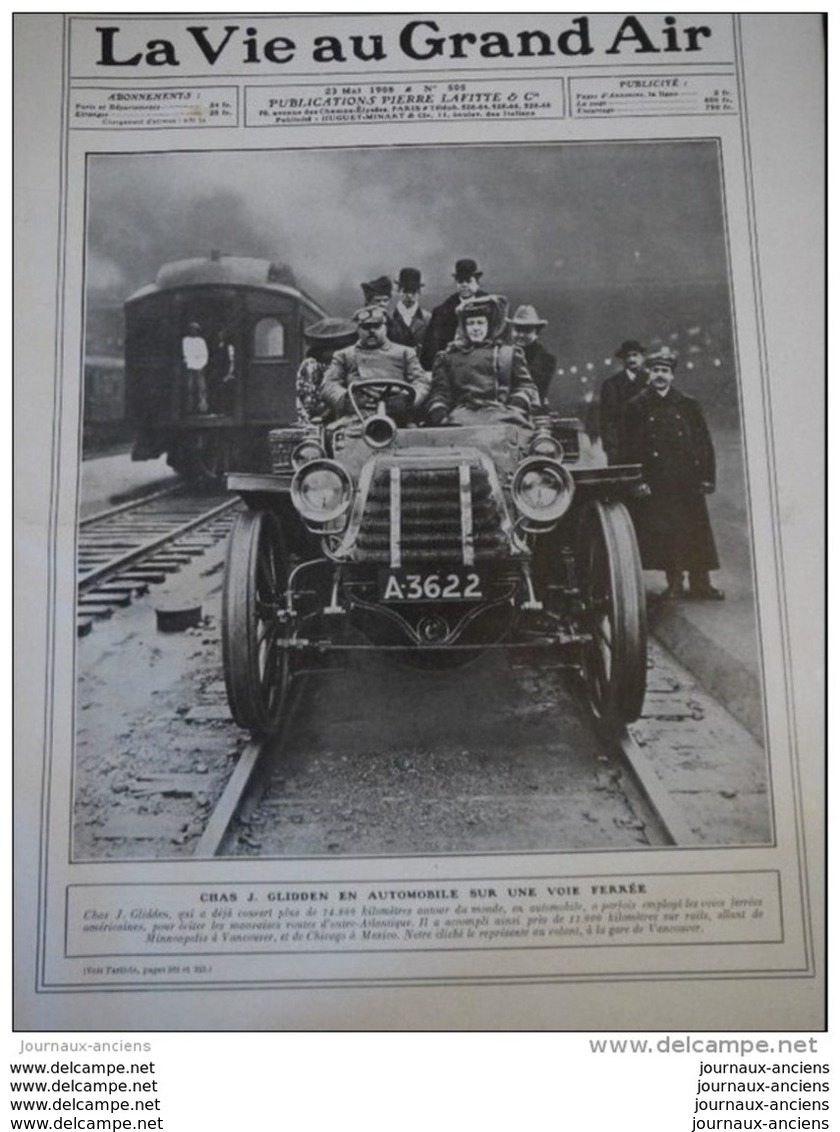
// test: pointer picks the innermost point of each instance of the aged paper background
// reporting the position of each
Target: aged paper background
(777, 261)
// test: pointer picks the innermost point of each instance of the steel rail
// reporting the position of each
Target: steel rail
(669, 814)
(100, 516)
(114, 565)
(244, 782)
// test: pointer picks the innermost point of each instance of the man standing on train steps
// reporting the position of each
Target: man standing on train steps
(194, 358)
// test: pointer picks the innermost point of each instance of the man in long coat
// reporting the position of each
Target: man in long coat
(616, 391)
(444, 321)
(666, 433)
(374, 357)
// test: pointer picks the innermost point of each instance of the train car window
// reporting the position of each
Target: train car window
(269, 338)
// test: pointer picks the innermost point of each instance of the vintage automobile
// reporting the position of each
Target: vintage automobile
(433, 543)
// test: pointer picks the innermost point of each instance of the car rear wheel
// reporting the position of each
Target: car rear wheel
(254, 626)
(614, 660)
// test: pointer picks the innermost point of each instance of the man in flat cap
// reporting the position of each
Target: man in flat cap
(374, 357)
(616, 391)
(409, 322)
(527, 326)
(444, 321)
(378, 292)
(666, 432)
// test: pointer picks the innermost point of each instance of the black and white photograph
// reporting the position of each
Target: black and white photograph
(413, 515)
(418, 522)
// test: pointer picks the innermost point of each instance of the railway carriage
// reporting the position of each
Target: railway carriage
(252, 316)
(433, 543)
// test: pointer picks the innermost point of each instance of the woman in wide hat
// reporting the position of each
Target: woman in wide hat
(323, 338)
(479, 377)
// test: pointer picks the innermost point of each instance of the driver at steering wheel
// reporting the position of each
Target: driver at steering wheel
(374, 357)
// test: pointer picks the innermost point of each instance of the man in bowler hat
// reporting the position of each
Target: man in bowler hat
(378, 292)
(409, 322)
(444, 321)
(666, 432)
(616, 391)
(527, 326)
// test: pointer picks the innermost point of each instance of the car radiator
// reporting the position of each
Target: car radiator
(441, 514)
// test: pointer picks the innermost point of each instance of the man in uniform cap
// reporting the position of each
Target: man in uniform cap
(666, 433)
(444, 321)
(616, 391)
(374, 357)
(527, 326)
(378, 292)
(409, 322)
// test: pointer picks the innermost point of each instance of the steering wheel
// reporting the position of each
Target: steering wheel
(383, 385)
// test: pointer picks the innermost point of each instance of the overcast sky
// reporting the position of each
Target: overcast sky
(567, 215)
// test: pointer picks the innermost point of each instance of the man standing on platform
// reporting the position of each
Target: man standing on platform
(616, 391)
(666, 433)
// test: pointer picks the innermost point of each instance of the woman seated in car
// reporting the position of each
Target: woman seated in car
(480, 378)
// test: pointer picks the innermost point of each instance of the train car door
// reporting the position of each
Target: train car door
(270, 386)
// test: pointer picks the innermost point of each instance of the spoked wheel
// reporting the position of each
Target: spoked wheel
(612, 586)
(254, 629)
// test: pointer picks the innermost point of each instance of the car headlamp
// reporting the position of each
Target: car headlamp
(321, 491)
(542, 489)
(544, 444)
(305, 452)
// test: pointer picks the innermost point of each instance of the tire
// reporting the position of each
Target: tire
(614, 661)
(256, 662)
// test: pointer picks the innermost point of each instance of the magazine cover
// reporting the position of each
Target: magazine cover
(419, 522)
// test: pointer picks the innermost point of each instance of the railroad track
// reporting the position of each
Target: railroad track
(501, 750)
(664, 822)
(644, 764)
(125, 550)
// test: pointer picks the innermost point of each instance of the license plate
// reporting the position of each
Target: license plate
(442, 585)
